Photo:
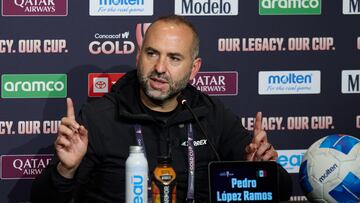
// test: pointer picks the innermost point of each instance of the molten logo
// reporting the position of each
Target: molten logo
(289, 82)
(291, 78)
(121, 2)
(121, 7)
(328, 172)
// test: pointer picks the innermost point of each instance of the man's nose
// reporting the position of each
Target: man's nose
(160, 65)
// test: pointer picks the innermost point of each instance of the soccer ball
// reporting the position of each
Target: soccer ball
(330, 170)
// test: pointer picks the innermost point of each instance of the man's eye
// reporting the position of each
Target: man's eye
(173, 58)
(151, 53)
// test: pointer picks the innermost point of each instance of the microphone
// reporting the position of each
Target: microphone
(181, 100)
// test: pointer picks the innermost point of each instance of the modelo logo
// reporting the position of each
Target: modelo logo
(34, 86)
(289, 82)
(351, 7)
(291, 78)
(206, 7)
(290, 7)
(137, 188)
(350, 81)
(290, 159)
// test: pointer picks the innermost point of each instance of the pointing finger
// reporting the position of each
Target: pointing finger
(258, 123)
(70, 108)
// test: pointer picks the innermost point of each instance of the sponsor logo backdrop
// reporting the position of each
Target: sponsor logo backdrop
(298, 63)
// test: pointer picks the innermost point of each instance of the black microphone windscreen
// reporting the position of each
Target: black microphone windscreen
(181, 99)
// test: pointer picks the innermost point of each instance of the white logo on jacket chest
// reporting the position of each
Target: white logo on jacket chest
(196, 143)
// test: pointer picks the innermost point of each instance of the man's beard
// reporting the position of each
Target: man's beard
(153, 94)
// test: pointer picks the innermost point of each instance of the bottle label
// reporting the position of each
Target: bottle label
(138, 189)
(164, 193)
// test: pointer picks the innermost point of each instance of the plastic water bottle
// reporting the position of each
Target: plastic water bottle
(136, 173)
(163, 184)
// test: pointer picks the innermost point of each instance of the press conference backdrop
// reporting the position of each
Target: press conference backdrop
(297, 61)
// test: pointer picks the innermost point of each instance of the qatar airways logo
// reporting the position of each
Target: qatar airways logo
(101, 83)
(223, 83)
(289, 82)
(121, 7)
(34, 7)
(23, 166)
(112, 43)
(206, 7)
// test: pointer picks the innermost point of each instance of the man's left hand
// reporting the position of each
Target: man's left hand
(260, 149)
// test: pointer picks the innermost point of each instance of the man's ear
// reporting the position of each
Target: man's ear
(195, 68)
(137, 57)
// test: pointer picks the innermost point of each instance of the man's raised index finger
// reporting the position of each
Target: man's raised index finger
(70, 112)
(258, 122)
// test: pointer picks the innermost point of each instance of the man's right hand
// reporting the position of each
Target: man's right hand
(71, 143)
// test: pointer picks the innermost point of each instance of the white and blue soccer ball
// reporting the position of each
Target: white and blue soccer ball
(330, 170)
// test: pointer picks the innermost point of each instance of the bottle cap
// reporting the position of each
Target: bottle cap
(164, 159)
(136, 149)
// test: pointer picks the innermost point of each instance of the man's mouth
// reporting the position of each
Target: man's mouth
(158, 83)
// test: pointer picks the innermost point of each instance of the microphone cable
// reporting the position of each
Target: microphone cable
(183, 101)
